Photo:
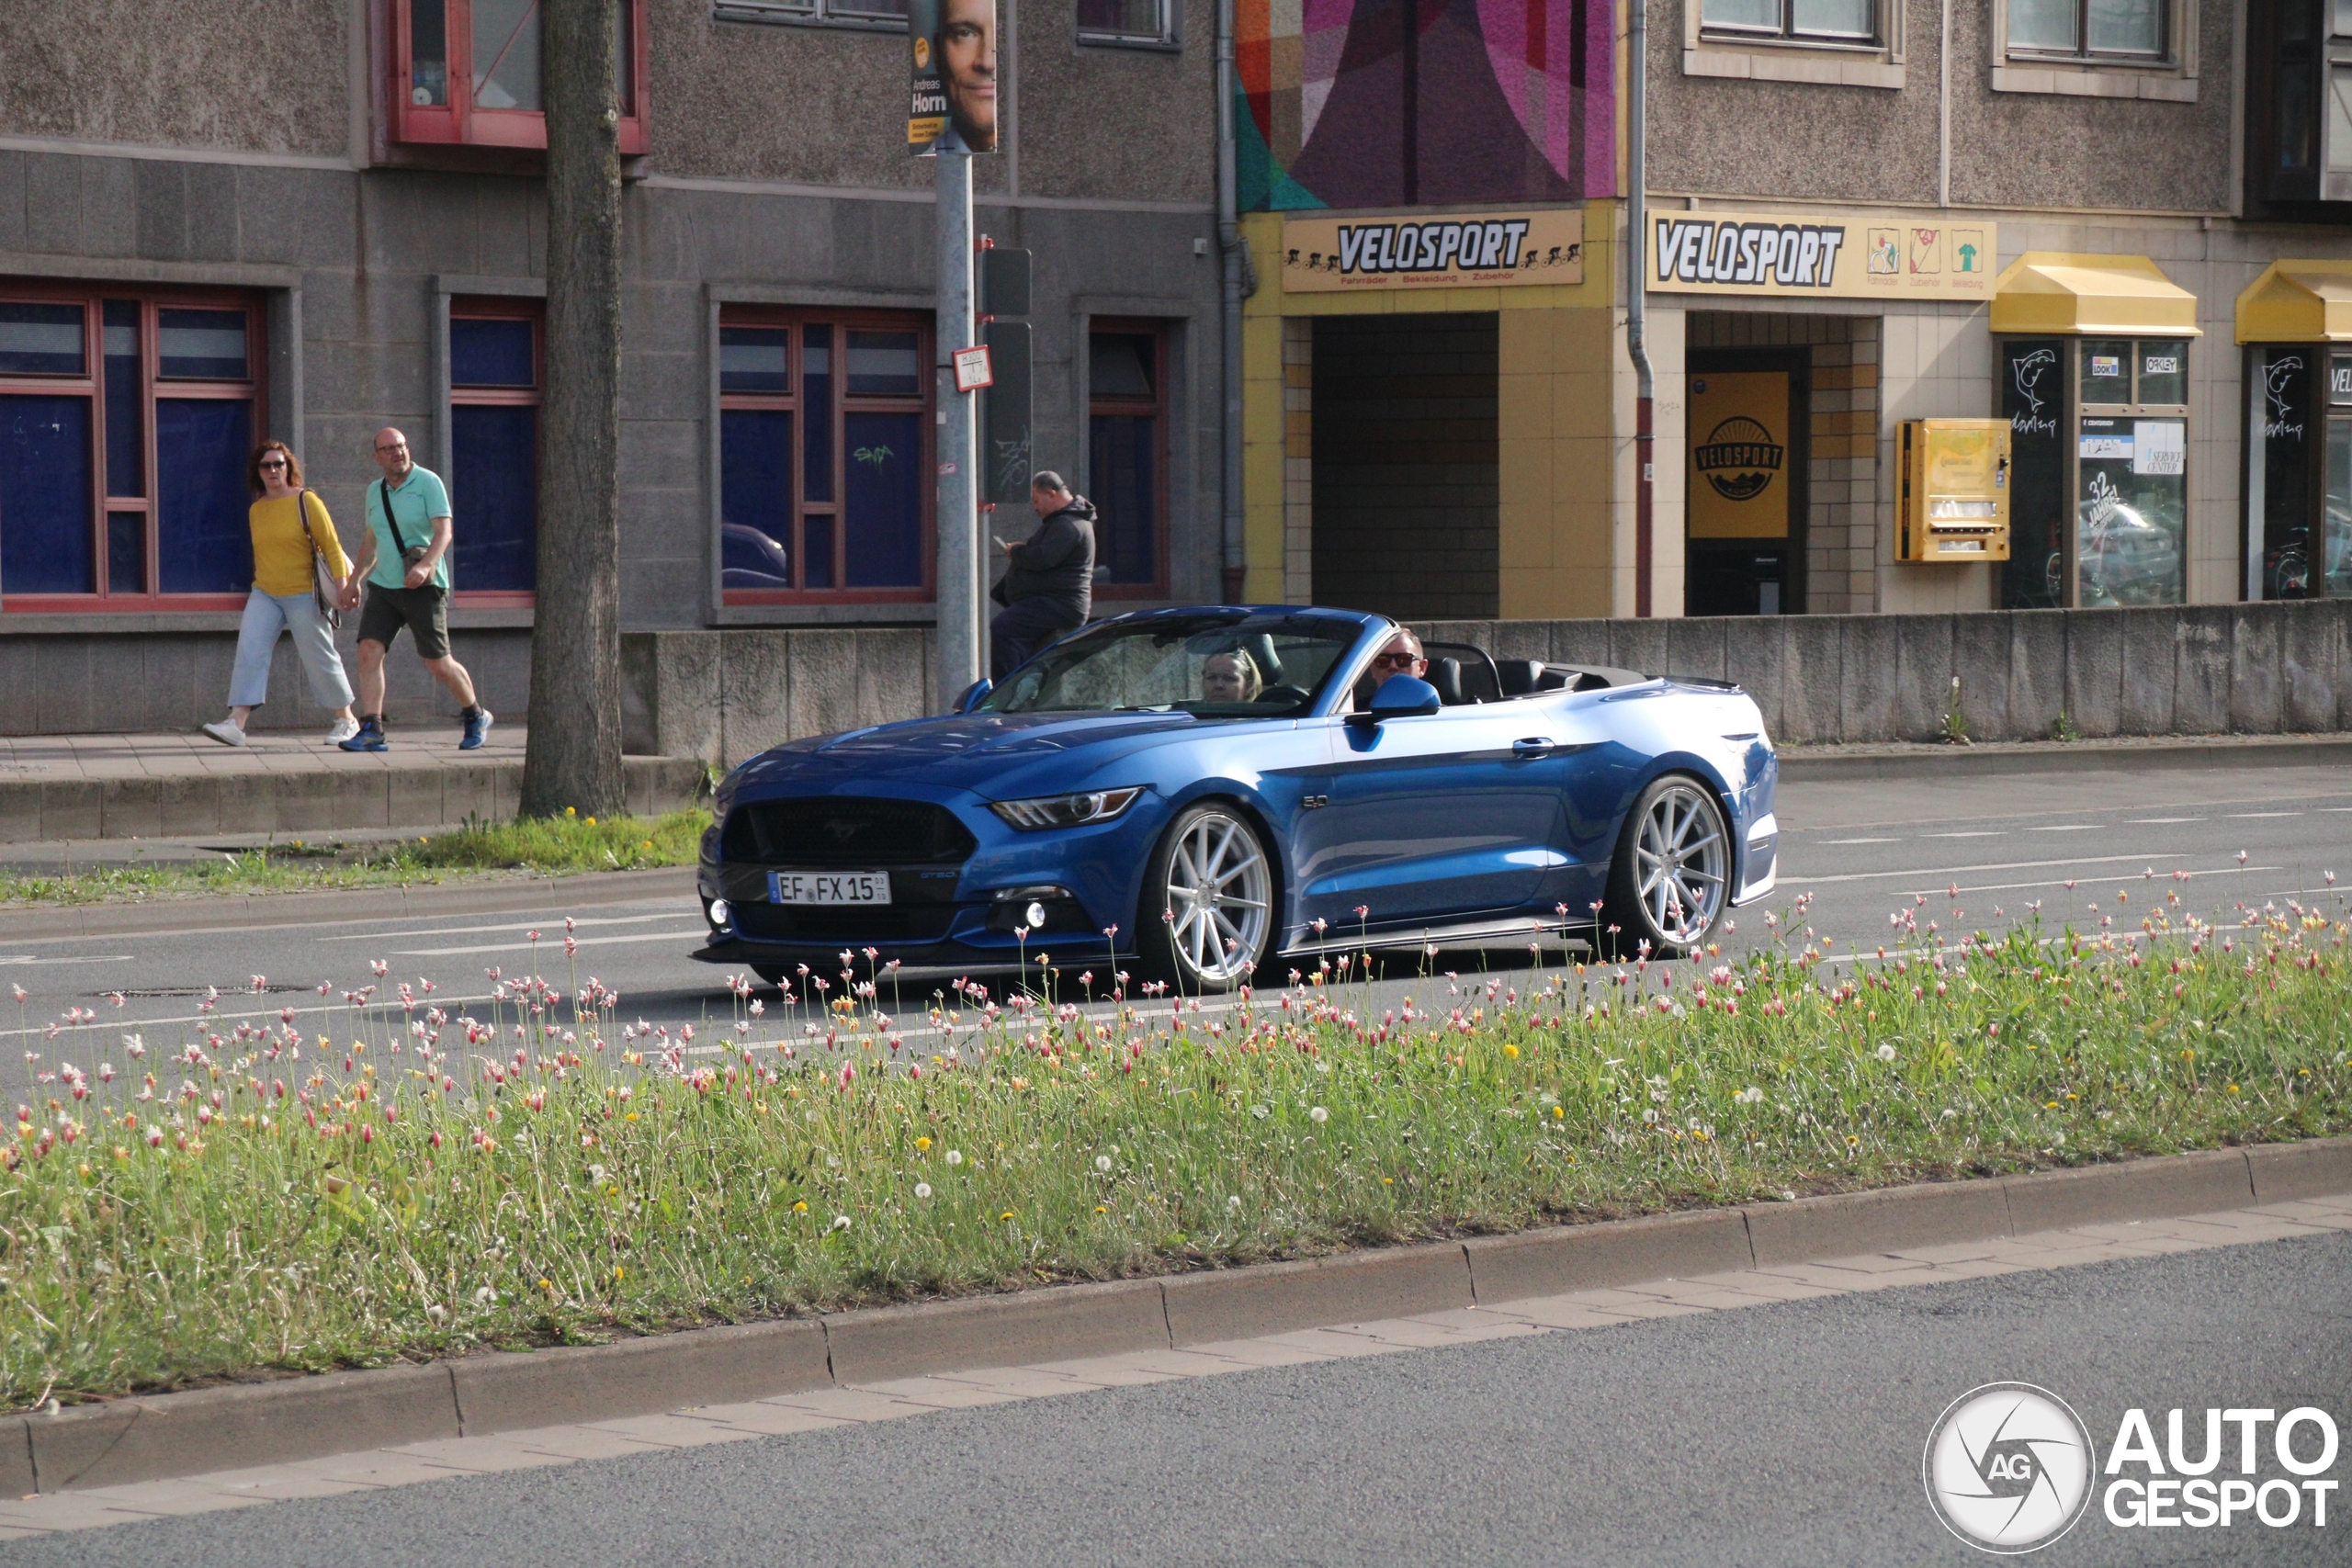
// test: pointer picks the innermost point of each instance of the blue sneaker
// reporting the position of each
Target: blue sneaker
(370, 738)
(475, 729)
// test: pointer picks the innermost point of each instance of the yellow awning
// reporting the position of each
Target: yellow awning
(2298, 301)
(2051, 292)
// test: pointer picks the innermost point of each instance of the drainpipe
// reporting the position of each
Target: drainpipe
(1229, 248)
(1636, 263)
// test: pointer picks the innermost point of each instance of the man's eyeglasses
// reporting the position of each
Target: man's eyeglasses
(395, 447)
(1401, 660)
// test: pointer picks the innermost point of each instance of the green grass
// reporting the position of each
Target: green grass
(537, 846)
(414, 1194)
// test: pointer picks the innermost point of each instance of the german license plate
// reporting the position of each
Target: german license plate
(829, 888)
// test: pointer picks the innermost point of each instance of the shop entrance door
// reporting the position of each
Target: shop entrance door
(1744, 549)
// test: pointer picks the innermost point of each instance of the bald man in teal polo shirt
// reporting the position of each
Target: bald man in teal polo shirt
(405, 562)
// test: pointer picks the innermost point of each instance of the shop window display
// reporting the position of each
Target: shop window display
(2099, 436)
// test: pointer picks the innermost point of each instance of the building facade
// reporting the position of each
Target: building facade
(2117, 228)
(313, 217)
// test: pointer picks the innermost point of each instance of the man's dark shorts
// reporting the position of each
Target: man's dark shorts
(423, 611)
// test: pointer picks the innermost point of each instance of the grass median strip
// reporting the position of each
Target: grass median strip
(413, 1184)
(530, 846)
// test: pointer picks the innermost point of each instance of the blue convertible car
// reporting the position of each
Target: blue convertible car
(1205, 790)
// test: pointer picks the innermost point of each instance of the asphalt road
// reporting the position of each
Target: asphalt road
(1861, 850)
(1772, 1435)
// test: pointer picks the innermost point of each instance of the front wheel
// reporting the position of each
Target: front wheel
(1208, 900)
(1671, 877)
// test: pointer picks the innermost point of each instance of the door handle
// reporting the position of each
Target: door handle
(1533, 746)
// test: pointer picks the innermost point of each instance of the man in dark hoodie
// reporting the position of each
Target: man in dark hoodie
(1049, 587)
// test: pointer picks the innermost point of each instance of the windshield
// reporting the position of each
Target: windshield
(1229, 665)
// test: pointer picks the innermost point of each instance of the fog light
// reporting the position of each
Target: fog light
(719, 913)
(1034, 915)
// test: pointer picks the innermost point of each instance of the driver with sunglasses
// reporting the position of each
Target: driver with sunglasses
(1401, 656)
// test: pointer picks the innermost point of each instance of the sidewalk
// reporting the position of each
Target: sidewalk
(176, 786)
(2120, 753)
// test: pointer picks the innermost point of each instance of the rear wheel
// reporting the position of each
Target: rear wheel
(1208, 900)
(1671, 877)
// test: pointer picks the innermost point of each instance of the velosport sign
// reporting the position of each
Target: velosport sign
(1452, 251)
(1781, 253)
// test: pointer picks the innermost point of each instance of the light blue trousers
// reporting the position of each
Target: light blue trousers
(266, 614)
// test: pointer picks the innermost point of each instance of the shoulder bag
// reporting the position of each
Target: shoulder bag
(323, 588)
(410, 554)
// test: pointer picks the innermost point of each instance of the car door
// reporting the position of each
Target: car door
(1433, 817)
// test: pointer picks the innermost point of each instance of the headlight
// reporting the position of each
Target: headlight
(1066, 811)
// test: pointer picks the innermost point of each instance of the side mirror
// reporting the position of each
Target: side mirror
(974, 695)
(1399, 696)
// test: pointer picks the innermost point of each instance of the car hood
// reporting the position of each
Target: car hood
(998, 756)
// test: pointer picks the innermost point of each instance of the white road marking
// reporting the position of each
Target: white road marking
(1861, 840)
(36, 962)
(554, 945)
(1985, 833)
(1959, 870)
(510, 926)
(2160, 821)
(2243, 815)
(2068, 828)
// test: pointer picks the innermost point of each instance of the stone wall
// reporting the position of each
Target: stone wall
(722, 696)
(2193, 670)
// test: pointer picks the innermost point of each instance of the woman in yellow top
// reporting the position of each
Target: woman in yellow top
(282, 600)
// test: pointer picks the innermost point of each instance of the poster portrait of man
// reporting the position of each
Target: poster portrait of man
(954, 102)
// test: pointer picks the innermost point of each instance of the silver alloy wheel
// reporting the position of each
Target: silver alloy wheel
(1219, 898)
(1679, 863)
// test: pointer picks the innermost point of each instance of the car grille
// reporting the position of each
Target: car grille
(829, 832)
(831, 923)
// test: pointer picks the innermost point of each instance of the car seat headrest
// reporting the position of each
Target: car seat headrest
(1445, 674)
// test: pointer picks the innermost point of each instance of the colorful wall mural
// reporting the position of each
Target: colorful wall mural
(1409, 103)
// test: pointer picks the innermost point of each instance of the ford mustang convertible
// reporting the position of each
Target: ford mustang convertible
(1204, 791)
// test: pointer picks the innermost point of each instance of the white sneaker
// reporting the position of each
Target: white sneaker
(225, 732)
(343, 730)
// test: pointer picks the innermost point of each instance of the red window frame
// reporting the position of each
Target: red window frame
(1156, 408)
(842, 323)
(459, 123)
(253, 389)
(499, 307)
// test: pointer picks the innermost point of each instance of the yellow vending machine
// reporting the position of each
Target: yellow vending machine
(1955, 501)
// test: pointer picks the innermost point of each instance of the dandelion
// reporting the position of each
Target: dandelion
(1318, 1115)
(800, 1208)
(840, 1222)
(1006, 1216)
(955, 1157)
(1233, 1205)
(922, 1189)
(1512, 1051)
(1102, 1163)
(1886, 1053)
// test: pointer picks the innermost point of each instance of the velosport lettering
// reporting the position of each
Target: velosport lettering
(1375, 249)
(1726, 251)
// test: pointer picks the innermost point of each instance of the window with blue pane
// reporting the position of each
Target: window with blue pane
(126, 423)
(823, 438)
(1126, 456)
(493, 478)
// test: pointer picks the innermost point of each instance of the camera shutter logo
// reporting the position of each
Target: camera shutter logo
(1739, 458)
(2009, 1468)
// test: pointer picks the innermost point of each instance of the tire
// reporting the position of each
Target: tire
(1670, 882)
(1208, 902)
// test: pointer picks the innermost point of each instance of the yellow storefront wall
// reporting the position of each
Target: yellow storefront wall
(1556, 446)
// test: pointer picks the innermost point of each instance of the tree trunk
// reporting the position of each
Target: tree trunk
(573, 758)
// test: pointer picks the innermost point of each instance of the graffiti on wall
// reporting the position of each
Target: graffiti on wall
(1409, 103)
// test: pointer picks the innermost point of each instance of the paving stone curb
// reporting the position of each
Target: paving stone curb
(171, 917)
(117, 1442)
(1800, 764)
